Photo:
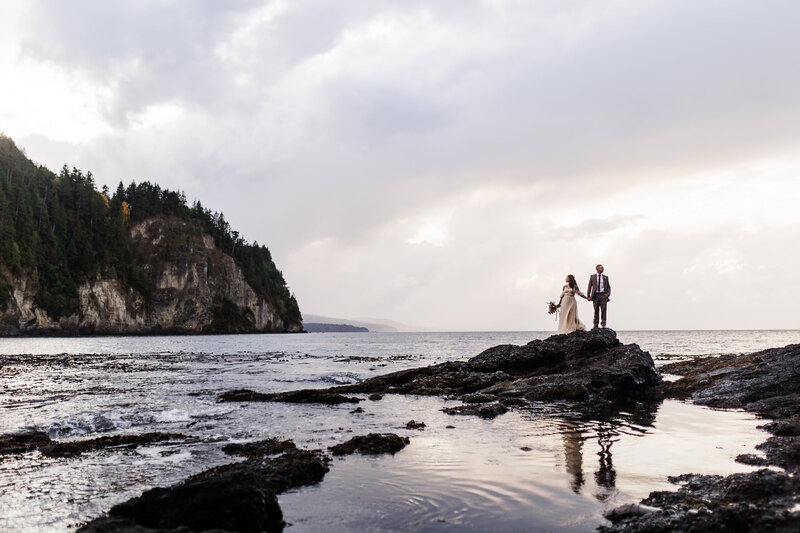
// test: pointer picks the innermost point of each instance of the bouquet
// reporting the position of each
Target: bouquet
(551, 307)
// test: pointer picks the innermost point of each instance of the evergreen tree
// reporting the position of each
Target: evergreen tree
(61, 231)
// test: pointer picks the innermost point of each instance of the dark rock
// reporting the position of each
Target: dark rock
(256, 450)
(585, 366)
(477, 397)
(237, 497)
(325, 396)
(372, 444)
(627, 511)
(756, 501)
(488, 411)
(413, 424)
(375, 397)
(782, 451)
(26, 441)
(37, 440)
(765, 383)
(513, 402)
(783, 428)
(357, 410)
(752, 459)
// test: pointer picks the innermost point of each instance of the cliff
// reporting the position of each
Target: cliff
(194, 288)
(74, 260)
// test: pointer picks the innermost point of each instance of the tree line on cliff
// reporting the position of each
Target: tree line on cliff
(60, 231)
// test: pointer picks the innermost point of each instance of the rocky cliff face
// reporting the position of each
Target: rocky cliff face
(193, 287)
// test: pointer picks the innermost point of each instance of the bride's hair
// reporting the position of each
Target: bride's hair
(572, 283)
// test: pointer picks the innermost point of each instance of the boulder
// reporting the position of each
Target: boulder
(371, 444)
(236, 497)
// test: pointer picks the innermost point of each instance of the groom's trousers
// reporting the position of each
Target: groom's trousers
(600, 301)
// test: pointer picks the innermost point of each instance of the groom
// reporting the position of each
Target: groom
(599, 292)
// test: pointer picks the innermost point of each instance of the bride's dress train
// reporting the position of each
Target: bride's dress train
(568, 320)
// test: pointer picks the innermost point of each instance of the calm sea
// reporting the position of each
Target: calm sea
(542, 469)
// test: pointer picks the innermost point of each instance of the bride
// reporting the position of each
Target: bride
(568, 320)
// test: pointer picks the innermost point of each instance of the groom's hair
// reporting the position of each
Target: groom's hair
(598, 266)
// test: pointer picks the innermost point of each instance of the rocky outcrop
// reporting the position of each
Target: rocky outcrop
(299, 396)
(757, 501)
(591, 367)
(37, 440)
(766, 383)
(582, 366)
(371, 444)
(236, 497)
(194, 288)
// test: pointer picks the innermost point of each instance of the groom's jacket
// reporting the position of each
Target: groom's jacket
(593, 286)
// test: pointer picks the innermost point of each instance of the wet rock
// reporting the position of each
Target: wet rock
(765, 383)
(37, 440)
(477, 397)
(325, 396)
(372, 444)
(783, 428)
(782, 451)
(756, 501)
(586, 366)
(487, 411)
(628, 510)
(513, 402)
(26, 441)
(256, 450)
(413, 424)
(237, 497)
(752, 459)
(375, 397)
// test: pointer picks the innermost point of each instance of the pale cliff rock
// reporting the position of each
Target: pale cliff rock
(188, 276)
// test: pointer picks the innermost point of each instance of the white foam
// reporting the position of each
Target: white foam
(172, 415)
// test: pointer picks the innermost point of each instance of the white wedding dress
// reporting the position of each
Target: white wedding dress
(568, 320)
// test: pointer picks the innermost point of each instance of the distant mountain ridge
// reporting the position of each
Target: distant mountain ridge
(317, 327)
(320, 319)
(373, 324)
(75, 260)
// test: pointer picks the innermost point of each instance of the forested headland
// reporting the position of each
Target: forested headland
(58, 232)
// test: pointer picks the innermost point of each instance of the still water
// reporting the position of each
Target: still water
(542, 469)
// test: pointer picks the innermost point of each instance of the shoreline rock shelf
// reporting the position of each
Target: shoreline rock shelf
(766, 383)
(235, 497)
(585, 366)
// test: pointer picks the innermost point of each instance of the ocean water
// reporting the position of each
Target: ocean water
(540, 469)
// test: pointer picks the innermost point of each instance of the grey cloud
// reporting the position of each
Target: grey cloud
(596, 227)
(467, 94)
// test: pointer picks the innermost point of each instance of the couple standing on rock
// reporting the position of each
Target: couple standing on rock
(599, 293)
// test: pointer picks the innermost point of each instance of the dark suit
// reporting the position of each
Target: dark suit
(599, 298)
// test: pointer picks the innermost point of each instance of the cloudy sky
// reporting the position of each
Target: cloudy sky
(446, 163)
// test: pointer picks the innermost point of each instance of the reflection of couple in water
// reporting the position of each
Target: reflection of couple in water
(599, 293)
(605, 476)
(604, 428)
